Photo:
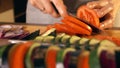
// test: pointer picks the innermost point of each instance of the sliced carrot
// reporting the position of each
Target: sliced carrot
(78, 22)
(68, 29)
(78, 29)
(19, 54)
(89, 15)
(11, 54)
(50, 26)
(58, 28)
(50, 57)
(83, 61)
(63, 28)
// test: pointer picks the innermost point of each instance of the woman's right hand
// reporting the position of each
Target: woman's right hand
(46, 6)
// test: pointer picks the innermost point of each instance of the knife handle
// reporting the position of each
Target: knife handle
(55, 8)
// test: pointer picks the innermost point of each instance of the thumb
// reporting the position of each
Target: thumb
(107, 23)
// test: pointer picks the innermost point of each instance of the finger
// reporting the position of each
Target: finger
(105, 10)
(97, 4)
(108, 23)
(54, 14)
(37, 4)
(60, 7)
(49, 8)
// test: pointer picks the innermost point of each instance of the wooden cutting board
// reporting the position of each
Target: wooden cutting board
(114, 32)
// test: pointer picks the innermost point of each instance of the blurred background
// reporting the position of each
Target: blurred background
(15, 11)
(12, 10)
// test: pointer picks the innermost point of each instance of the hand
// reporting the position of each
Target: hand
(46, 7)
(103, 9)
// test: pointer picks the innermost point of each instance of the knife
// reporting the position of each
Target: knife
(55, 8)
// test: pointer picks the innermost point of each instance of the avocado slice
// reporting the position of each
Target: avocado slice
(28, 60)
(92, 44)
(50, 32)
(82, 43)
(48, 39)
(74, 39)
(59, 37)
(39, 38)
(105, 45)
(65, 39)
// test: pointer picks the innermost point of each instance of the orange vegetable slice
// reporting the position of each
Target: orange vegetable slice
(64, 28)
(49, 27)
(87, 14)
(51, 55)
(18, 55)
(77, 29)
(11, 54)
(83, 60)
(78, 22)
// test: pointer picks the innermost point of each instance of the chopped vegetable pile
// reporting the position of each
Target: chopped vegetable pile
(12, 32)
(74, 26)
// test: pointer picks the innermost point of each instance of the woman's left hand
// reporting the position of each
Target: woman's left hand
(103, 9)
